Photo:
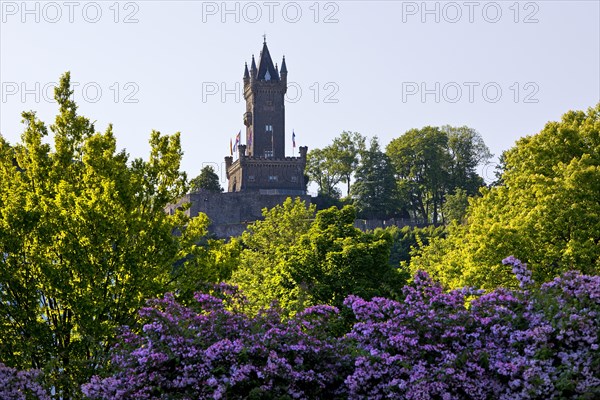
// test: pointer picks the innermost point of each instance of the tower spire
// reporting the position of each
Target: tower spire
(266, 67)
(283, 66)
(253, 68)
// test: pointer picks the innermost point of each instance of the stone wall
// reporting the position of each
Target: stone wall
(256, 173)
(230, 212)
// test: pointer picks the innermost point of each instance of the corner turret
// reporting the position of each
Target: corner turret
(283, 74)
(246, 74)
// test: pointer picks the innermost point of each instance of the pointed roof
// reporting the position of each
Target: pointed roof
(266, 69)
(253, 66)
(283, 66)
(246, 74)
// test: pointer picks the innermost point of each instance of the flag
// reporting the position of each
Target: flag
(230, 147)
(293, 139)
(249, 138)
(237, 141)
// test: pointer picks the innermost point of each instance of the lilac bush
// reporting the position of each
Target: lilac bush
(531, 343)
(214, 351)
(527, 344)
(21, 385)
(428, 346)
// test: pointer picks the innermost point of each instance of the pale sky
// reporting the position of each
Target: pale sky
(379, 68)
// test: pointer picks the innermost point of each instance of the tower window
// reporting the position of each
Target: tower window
(272, 178)
(268, 128)
(268, 153)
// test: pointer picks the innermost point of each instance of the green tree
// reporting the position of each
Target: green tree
(407, 240)
(344, 153)
(299, 259)
(266, 247)
(321, 170)
(207, 180)
(202, 259)
(83, 241)
(455, 206)
(421, 161)
(466, 150)
(336, 163)
(374, 191)
(545, 211)
(432, 162)
(334, 259)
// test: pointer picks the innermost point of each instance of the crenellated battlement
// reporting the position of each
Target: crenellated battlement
(261, 164)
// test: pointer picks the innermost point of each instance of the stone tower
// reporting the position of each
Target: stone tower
(264, 91)
(261, 164)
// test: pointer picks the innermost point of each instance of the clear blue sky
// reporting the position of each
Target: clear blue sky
(376, 67)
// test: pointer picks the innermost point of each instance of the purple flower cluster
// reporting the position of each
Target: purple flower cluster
(501, 345)
(522, 273)
(213, 352)
(524, 344)
(20, 385)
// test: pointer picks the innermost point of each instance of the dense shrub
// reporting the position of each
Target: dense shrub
(523, 344)
(212, 352)
(530, 343)
(21, 385)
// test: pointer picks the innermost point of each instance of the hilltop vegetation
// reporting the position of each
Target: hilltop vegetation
(413, 178)
(546, 212)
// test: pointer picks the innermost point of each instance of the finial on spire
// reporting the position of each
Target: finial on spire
(264, 38)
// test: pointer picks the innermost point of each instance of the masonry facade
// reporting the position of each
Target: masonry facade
(261, 165)
(260, 176)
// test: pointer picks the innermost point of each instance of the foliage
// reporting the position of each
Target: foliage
(335, 259)
(207, 180)
(420, 161)
(335, 163)
(374, 191)
(546, 211)
(266, 247)
(345, 152)
(407, 240)
(507, 344)
(323, 202)
(84, 240)
(299, 259)
(455, 206)
(202, 260)
(432, 162)
(321, 170)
